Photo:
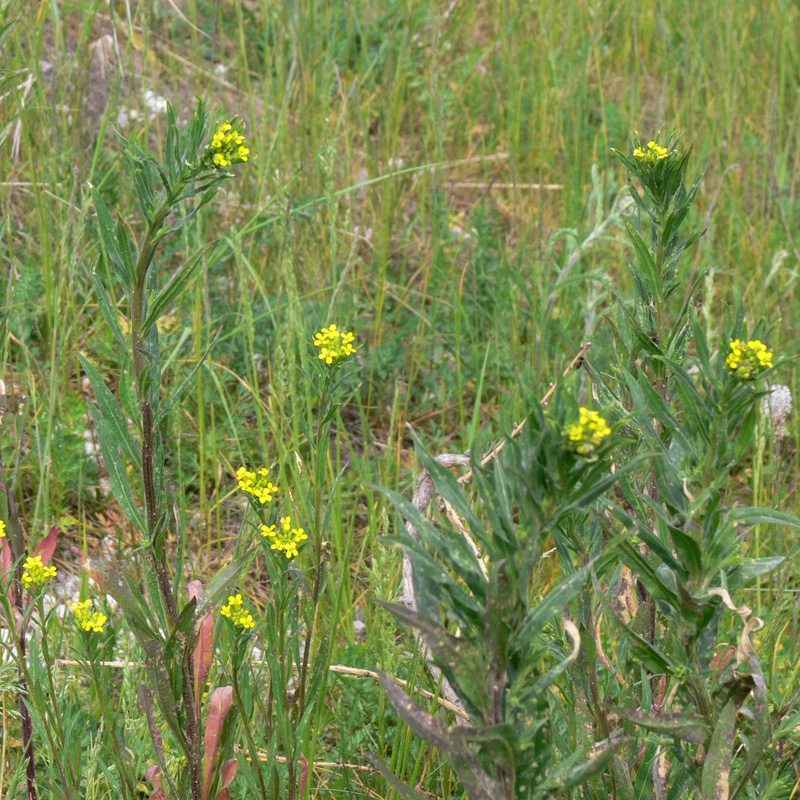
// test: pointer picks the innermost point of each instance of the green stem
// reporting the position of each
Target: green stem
(55, 747)
(319, 467)
(245, 723)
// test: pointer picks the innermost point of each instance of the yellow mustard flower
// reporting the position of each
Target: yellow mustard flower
(88, 620)
(588, 432)
(284, 538)
(257, 484)
(334, 345)
(227, 145)
(747, 360)
(2, 529)
(651, 154)
(238, 614)
(36, 574)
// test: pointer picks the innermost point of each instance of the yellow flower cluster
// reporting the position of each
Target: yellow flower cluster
(36, 574)
(88, 620)
(2, 529)
(334, 345)
(286, 538)
(588, 432)
(227, 146)
(650, 154)
(747, 360)
(237, 614)
(257, 484)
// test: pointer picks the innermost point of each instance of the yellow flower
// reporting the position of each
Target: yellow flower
(36, 574)
(2, 529)
(747, 360)
(650, 154)
(88, 620)
(240, 616)
(334, 345)
(256, 484)
(286, 538)
(588, 432)
(227, 146)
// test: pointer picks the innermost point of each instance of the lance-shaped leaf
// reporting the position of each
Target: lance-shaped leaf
(7, 564)
(717, 767)
(461, 664)
(153, 776)
(109, 236)
(167, 700)
(756, 516)
(761, 731)
(117, 476)
(108, 310)
(478, 784)
(203, 648)
(167, 296)
(222, 584)
(47, 546)
(684, 725)
(553, 603)
(181, 637)
(569, 775)
(130, 599)
(402, 789)
(111, 412)
(219, 705)
(227, 773)
(147, 707)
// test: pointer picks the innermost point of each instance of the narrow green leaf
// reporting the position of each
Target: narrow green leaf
(717, 767)
(402, 789)
(684, 725)
(112, 414)
(108, 310)
(477, 783)
(756, 516)
(109, 236)
(116, 469)
(553, 603)
(221, 584)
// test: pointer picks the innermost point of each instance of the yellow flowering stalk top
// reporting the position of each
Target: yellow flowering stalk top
(747, 360)
(36, 574)
(256, 484)
(651, 154)
(588, 432)
(88, 620)
(334, 345)
(239, 615)
(284, 538)
(227, 146)
(2, 529)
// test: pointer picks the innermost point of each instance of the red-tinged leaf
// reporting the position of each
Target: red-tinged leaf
(6, 560)
(47, 546)
(203, 655)
(303, 774)
(6, 563)
(195, 589)
(224, 795)
(153, 776)
(227, 774)
(219, 705)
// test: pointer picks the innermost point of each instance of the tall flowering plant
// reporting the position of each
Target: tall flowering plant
(171, 627)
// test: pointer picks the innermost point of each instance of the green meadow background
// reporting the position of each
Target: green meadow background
(435, 177)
